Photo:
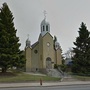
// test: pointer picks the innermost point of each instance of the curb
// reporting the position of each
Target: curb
(43, 85)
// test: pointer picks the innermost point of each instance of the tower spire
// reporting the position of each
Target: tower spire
(45, 26)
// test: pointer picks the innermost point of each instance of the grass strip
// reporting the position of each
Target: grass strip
(21, 77)
(82, 78)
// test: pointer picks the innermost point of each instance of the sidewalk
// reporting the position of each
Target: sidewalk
(5, 85)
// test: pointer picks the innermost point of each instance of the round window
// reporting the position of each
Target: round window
(35, 51)
(48, 44)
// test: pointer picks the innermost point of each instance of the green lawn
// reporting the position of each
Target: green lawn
(82, 78)
(22, 77)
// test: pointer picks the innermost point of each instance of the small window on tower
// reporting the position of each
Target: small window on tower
(43, 28)
(47, 28)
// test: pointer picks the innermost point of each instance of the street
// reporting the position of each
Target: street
(72, 87)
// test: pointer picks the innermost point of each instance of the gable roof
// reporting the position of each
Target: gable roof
(49, 34)
(40, 36)
(36, 43)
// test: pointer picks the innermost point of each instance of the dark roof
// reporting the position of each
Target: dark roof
(34, 44)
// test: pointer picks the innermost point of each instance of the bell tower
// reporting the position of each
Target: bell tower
(45, 26)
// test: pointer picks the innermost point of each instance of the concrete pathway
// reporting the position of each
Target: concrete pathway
(5, 85)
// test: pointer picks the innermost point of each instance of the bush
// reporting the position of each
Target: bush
(63, 67)
(55, 66)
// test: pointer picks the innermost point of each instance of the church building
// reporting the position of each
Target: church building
(44, 53)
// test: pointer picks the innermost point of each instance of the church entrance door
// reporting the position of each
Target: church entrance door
(48, 63)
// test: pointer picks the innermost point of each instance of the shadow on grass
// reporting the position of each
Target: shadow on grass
(7, 74)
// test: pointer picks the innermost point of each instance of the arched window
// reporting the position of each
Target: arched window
(46, 27)
(43, 28)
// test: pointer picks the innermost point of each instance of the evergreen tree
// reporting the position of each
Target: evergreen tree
(81, 59)
(10, 54)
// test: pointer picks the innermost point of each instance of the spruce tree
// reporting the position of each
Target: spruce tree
(81, 59)
(10, 54)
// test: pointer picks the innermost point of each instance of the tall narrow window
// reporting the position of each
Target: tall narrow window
(43, 28)
(47, 28)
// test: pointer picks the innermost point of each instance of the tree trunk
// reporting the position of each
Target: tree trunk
(4, 70)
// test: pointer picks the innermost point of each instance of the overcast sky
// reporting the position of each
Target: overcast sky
(64, 16)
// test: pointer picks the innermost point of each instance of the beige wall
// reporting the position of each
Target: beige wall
(38, 60)
(28, 59)
(40, 52)
(35, 61)
(58, 57)
(48, 51)
(55, 58)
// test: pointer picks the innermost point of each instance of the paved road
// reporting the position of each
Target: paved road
(73, 87)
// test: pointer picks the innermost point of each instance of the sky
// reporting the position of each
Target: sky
(64, 16)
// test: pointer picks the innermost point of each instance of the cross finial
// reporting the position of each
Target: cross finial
(45, 14)
(28, 36)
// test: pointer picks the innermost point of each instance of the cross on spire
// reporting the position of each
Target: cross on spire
(45, 14)
(28, 36)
